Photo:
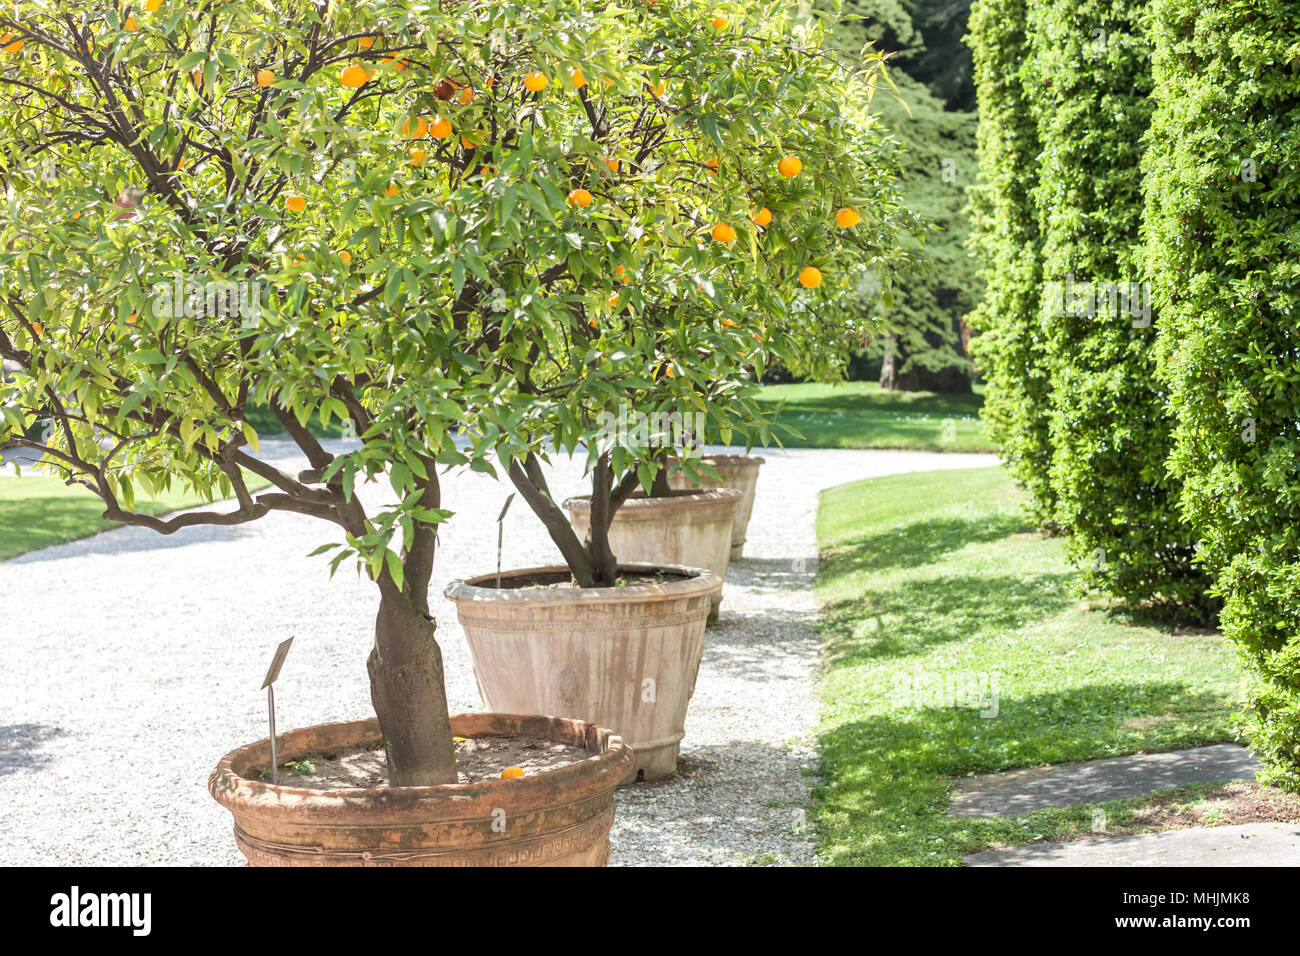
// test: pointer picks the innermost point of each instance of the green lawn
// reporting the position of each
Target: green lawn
(37, 511)
(860, 415)
(936, 591)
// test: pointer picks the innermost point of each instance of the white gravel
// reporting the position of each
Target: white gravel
(131, 662)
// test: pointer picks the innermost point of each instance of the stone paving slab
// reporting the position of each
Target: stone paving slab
(1014, 792)
(1243, 844)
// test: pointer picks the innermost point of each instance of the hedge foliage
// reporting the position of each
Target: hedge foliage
(1108, 428)
(1223, 228)
(1005, 237)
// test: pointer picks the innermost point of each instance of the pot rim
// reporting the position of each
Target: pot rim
(698, 581)
(604, 769)
(702, 498)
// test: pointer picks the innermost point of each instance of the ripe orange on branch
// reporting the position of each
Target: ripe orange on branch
(295, 202)
(535, 81)
(790, 166)
(723, 232)
(354, 76)
(810, 277)
(415, 130)
(762, 217)
(580, 197)
(265, 77)
(847, 218)
(718, 21)
(579, 80)
(440, 128)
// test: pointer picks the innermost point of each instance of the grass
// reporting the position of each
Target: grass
(37, 511)
(860, 415)
(936, 591)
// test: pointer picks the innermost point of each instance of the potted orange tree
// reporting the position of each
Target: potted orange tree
(219, 206)
(725, 193)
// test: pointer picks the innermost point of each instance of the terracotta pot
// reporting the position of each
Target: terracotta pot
(621, 657)
(736, 471)
(691, 528)
(557, 818)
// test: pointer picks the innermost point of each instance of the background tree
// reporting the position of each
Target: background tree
(924, 334)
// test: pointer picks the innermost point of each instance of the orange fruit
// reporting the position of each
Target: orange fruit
(579, 197)
(535, 81)
(790, 166)
(762, 217)
(295, 202)
(659, 89)
(613, 301)
(152, 5)
(130, 25)
(196, 77)
(10, 44)
(612, 165)
(345, 257)
(130, 319)
(669, 371)
(420, 128)
(728, 324)
(354, 76)
(391, 190)
(511, 773)
(579, 81)
(440, 128)
(718, 22)
(847, 218)
(711, 164)
(810, 277)
(398, 65)
(723, 232)
(417, 156)
(486, 171)
(365, 43)
(38, 328)
(265, 77)
(465, 96)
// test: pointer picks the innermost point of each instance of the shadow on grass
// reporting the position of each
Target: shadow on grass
(885, 788)
(905, 621)
(918, 543)
(20, 746)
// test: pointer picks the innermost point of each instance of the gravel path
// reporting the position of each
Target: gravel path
(131, 662)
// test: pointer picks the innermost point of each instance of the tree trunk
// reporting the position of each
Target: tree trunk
(406, 688)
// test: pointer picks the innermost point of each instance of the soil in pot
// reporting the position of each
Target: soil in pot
(483, 758)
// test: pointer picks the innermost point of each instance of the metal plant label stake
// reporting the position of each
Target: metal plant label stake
(501, 530)
(272, 673)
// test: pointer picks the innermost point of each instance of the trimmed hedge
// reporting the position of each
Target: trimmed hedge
(1009, 349)
(1223, 227)
(1109, 431)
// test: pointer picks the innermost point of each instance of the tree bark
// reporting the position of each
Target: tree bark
(407, 691)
